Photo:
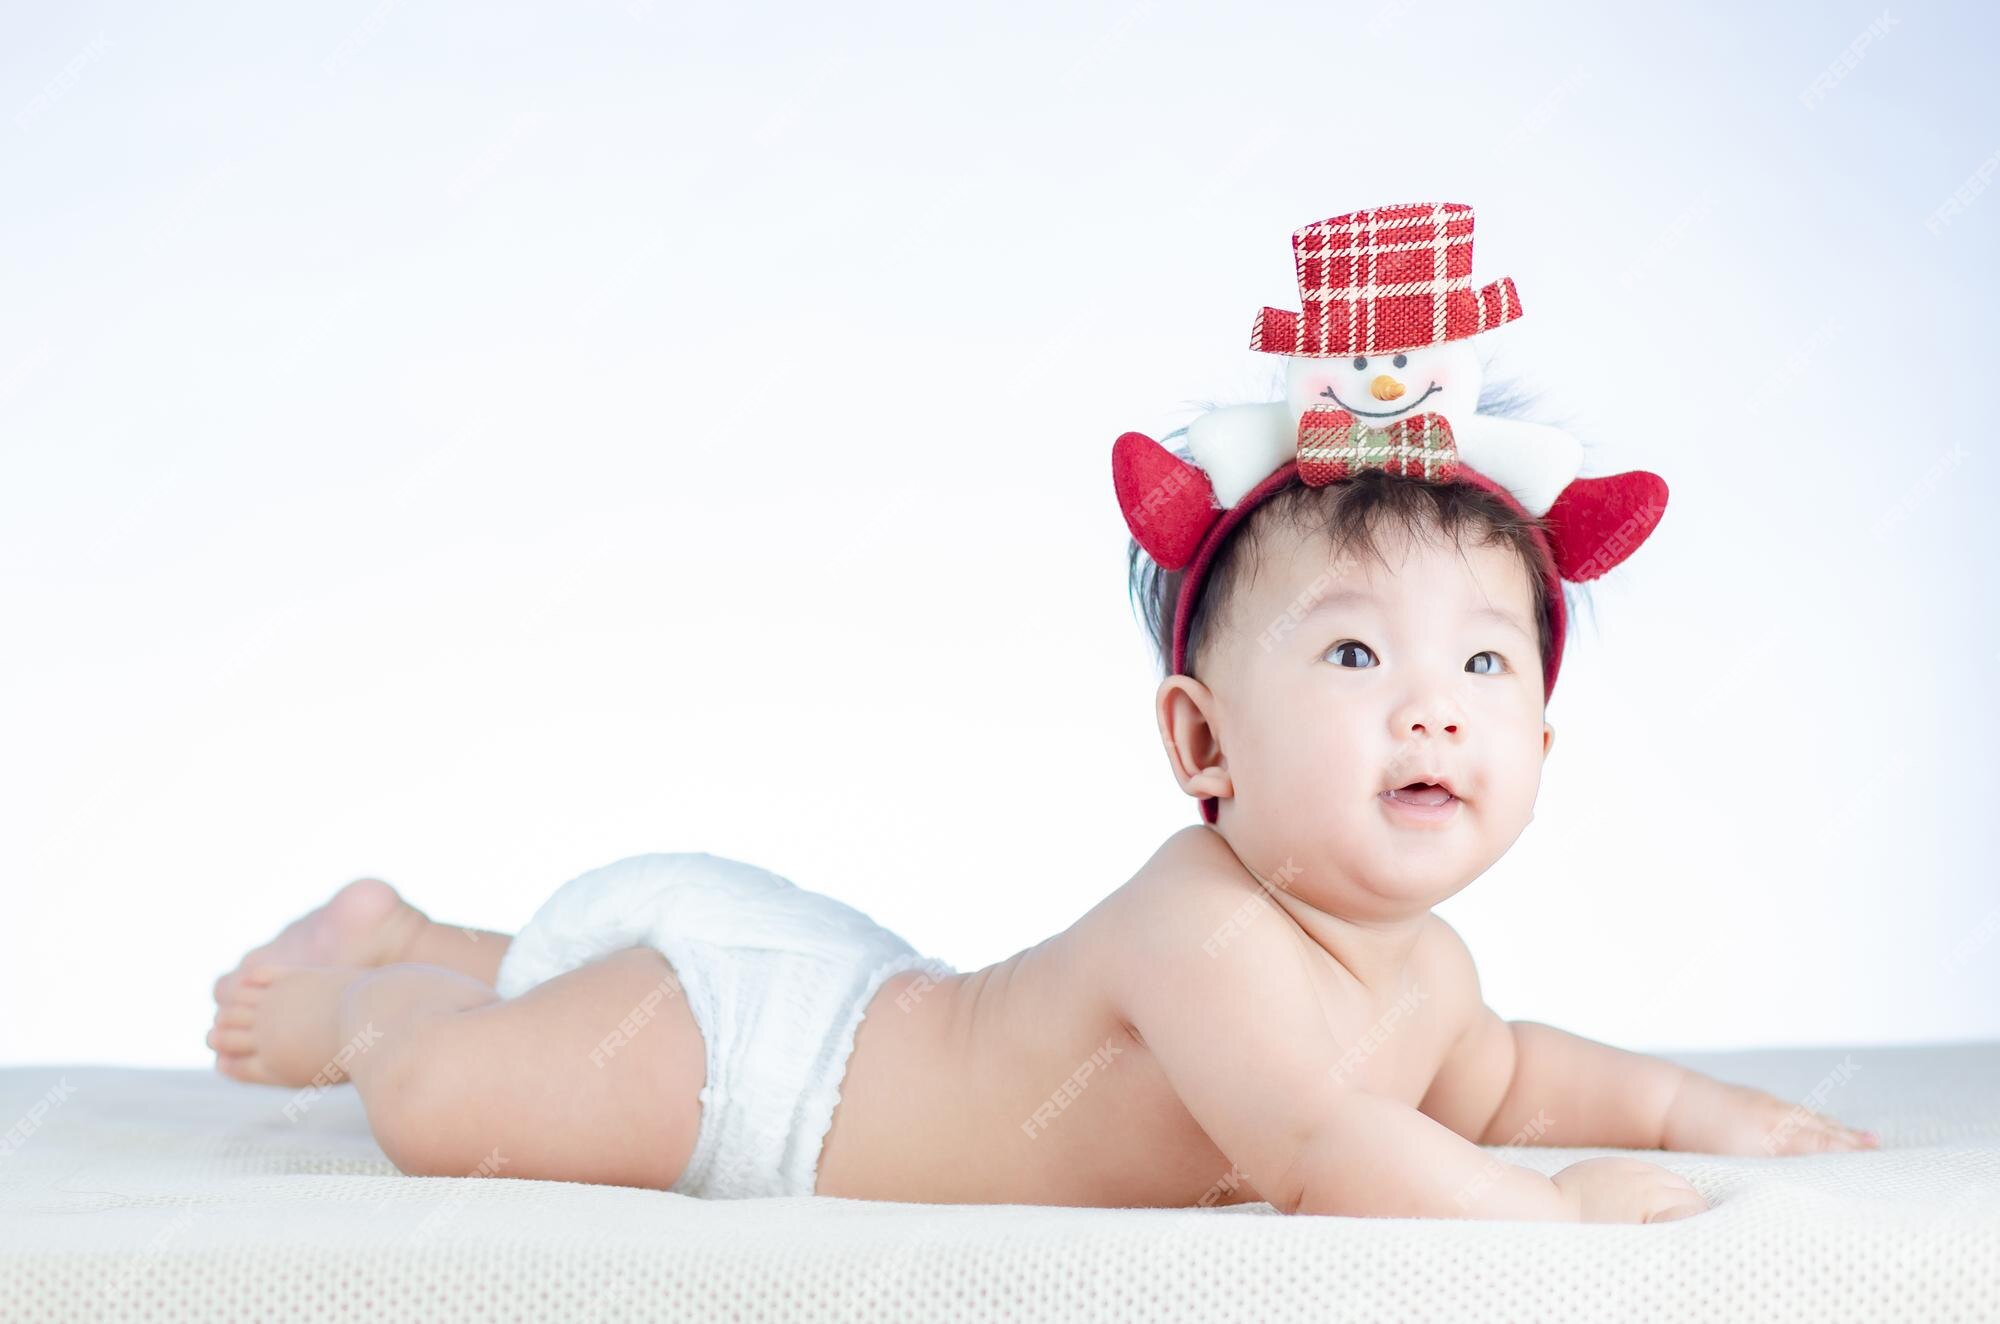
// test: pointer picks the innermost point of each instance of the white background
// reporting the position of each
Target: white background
(468, 444)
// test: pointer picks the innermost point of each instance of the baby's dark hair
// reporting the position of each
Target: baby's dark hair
(1351, 515)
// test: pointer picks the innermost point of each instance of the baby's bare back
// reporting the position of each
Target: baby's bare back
(1028, 1082)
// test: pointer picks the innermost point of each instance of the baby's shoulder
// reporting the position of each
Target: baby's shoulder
(1191, 888)
(1444, 968)
(1192, 916)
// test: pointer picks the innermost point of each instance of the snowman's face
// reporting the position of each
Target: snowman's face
(1379, 389)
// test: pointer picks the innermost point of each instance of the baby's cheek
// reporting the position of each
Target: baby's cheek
(1515, 780)
(1292, 761)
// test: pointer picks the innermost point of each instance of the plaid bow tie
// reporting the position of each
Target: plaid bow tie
(1334, 444)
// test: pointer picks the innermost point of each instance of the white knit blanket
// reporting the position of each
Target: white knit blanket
(165, 1195)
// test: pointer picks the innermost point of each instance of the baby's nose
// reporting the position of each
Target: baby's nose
(1385, 387)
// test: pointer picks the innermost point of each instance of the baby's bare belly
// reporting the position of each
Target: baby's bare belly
(1014, 1085)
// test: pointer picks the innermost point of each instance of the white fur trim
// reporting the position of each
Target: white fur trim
(1239, 446)
(1533, 461)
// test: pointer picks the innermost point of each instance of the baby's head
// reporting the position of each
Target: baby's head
(1350, 641)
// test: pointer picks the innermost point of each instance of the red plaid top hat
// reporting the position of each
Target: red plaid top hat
(1383, 280)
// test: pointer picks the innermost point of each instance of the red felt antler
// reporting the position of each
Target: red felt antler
(1597, 522)
(1168, 503)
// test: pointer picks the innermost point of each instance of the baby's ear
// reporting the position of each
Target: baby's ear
(1548, 737)
(1185, 709)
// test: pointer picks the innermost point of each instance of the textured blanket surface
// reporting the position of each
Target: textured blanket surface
(178, 1195)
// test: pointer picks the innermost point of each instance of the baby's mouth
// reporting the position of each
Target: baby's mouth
(1429, 795)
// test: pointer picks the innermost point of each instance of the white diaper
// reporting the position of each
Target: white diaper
(777, 977)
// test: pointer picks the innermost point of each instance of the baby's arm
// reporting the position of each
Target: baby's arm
(1523, 1082)
(1210, 977)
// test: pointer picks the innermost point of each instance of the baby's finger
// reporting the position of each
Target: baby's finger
(1801, 1136)
(1683, 1210)
(1849, 1135)
(1839, 1138)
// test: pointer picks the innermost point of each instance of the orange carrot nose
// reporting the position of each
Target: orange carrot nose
(1385, 387)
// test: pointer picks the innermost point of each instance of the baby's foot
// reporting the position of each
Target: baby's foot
(366, 923)
(280, 1023)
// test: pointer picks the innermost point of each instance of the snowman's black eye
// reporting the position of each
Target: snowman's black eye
(1359, 363)
(1401, 360)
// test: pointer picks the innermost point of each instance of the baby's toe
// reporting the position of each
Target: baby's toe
(235, 1029)
(246, 1067)
(231, 1040)
(263, 974)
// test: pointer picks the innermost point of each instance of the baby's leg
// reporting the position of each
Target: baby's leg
(368, 923)
(591, 1076)
(546, 1085)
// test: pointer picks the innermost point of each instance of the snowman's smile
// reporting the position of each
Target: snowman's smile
(1379, 413)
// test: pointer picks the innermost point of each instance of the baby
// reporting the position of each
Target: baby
(1266, 1010)
(1358, 652)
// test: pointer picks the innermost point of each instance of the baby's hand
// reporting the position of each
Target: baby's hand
(1626, 1190)
(1709, 1116)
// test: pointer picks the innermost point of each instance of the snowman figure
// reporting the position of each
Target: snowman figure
(1385, 340)
(1239, 445)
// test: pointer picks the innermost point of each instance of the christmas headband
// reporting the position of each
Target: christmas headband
(1380, 373)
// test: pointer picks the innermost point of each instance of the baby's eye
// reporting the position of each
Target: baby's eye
(1350, 648)
(1496, 663)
